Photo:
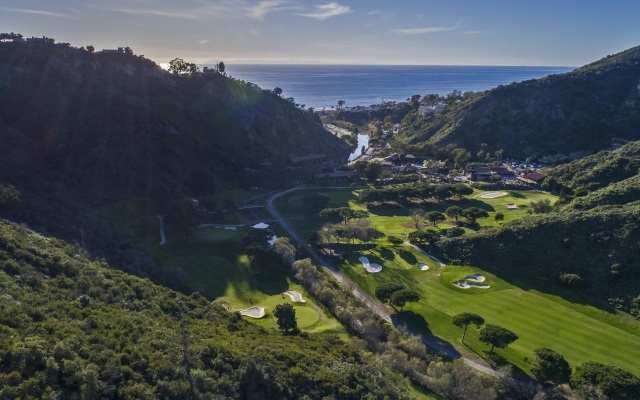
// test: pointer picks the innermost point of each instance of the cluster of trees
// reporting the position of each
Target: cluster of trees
(422, 192)
(396, 294)
(495, 335)
(348, 224)
(9, 36)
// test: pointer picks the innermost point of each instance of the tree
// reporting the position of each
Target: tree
(434, 216)
(91, 49)
(395, 241)
(473, 213)
(541, 207)
(373, 171)
(425, 236)
(615, 382)
(178, 66)
(461, 157)
(550, 366)
(286, 315)
(285, 250)
(417, 215)
(386, 290)
(499, 216)
(463, 320)
(454, 212)
(497, 336)
(404, 296)
(221, 67)
(331, 215)
(340, 104)
(277, 91)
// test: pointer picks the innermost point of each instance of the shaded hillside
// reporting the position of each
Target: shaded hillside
(74, 328)
(596, 171)
(117, 122)
(602, 246)
(605, 178)
(578, 111)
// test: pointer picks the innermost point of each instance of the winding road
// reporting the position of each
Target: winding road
(374, 305)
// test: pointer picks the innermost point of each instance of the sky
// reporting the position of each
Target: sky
(400, 32)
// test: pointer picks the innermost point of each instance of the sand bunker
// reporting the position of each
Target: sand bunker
(371, 268)
(253, 312)
(295, 296)
(475, 278)
(261, 225)
(492, 195)
(423, 267)
(471, 281)
(512, 206)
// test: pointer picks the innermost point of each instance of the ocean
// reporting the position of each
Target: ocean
(321, 86)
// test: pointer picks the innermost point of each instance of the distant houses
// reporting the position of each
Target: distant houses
(119, 50)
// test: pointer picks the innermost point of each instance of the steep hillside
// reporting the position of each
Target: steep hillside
(562, 114)
(119, 123)
(73, 328)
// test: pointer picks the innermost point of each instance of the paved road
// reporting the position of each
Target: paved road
(380, 309)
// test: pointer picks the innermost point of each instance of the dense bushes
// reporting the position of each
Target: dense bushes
(71, 328)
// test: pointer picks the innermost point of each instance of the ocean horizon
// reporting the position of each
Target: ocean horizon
(322, 86)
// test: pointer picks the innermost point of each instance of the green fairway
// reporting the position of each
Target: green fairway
(540, 313)
(580, 332)
(213, 263)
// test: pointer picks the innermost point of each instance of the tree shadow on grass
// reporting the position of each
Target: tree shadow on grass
(387, 254)
(413, 321)
(417, 324)
(516, 195)
(477, 203)
(498, 360)
(408, 257)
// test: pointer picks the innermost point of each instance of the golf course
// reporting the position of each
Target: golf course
(539, 312)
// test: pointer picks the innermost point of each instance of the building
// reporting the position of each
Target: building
(532, 178)
(43, 39)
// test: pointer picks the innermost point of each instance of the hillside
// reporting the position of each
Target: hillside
(120, 124)
(579, 111)
(75, 328)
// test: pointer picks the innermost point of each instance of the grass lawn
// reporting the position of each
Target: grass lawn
(541, 314)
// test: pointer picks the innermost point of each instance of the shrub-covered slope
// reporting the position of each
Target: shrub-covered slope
(118, 122)
(559, 114)
(72, 328)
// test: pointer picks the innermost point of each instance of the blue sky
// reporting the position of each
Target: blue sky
(454, 32)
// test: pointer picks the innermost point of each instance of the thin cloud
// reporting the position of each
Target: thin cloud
(474, 32)
(328, 10)
(161, 13)
(260, 10)
(425, 30)
(36, 12)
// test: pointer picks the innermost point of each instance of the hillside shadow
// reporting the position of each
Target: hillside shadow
(549, 287)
